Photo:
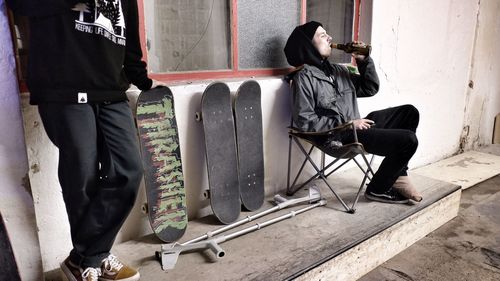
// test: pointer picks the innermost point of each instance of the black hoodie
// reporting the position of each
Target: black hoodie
(324, 95)
(299, 49)
(82, 52)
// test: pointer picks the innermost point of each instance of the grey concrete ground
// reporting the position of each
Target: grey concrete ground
(466, 248)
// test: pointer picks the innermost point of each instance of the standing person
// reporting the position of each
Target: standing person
(83, 56)
(325, 96)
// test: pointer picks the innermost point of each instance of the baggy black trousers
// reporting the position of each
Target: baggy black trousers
(99, 171)
(393, 136)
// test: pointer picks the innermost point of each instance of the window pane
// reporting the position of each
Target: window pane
(263, 28)
(337, 18)
(188, 35)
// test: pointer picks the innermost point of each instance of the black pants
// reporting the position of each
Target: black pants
(393, 136)
(99, 171)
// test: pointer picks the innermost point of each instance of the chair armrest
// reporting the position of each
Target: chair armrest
(327, 132)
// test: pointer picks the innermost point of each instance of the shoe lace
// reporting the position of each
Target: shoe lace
(91, 274)
(111, 263)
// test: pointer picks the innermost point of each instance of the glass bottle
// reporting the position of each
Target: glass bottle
(353, 48)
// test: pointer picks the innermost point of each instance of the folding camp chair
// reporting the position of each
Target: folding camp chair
(346, 152)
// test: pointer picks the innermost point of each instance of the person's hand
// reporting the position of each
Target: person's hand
(361, 124)
(157, 83)
(356, 55)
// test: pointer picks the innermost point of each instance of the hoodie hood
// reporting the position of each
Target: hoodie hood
(300, 50)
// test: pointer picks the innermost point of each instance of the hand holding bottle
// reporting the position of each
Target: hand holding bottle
(359, 49)
(359, 53)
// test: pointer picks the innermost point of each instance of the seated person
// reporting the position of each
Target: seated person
(325, 96)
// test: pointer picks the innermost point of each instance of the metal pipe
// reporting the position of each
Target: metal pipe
(170, 252)
(314, 196)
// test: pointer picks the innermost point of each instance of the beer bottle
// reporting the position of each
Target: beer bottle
(352, 48)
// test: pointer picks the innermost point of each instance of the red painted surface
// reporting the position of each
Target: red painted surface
(235, 72)
(303, 11)
(223, 74)
(234, 34)
(357, 12)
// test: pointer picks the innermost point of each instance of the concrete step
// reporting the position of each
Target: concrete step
(325, 243)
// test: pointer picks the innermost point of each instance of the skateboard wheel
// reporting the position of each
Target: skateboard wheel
(144, 208)
(206, 194)
(197, 116)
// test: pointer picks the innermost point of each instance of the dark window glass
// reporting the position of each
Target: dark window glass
(263, 28)
(337, 17)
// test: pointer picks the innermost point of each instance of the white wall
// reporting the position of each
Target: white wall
(483, 100)
(423, 50)
(16, 204)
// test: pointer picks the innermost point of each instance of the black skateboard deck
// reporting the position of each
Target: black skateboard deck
(220, 144)
(161, 157)
(248, 115)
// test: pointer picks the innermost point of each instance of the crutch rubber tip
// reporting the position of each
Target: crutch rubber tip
(352, 211)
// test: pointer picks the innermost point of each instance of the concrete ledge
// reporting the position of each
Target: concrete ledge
(325, 243)
(361, 259)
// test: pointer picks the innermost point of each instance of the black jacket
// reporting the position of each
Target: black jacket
(322, 102)
(80, 53)
(324, 94)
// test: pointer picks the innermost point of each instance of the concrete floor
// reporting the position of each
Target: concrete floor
(466, 248)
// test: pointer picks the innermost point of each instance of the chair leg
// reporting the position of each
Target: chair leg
(362, 169)
(321, 174)
(340, 166)
(291, 189)
(289, 163)
(366, 176)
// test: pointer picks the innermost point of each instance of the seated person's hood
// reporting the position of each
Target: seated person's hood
(300, 50)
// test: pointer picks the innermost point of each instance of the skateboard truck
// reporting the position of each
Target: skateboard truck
(206, 194)
(198, 117)
(144, 208)
(170, 252)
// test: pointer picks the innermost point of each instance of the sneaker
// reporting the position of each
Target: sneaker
(113, 269)
(390, 196)
(75, 273)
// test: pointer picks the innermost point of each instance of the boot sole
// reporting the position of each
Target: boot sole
(382, 200)
(131, 278)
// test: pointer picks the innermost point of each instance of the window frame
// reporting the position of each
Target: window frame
(235, 71)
